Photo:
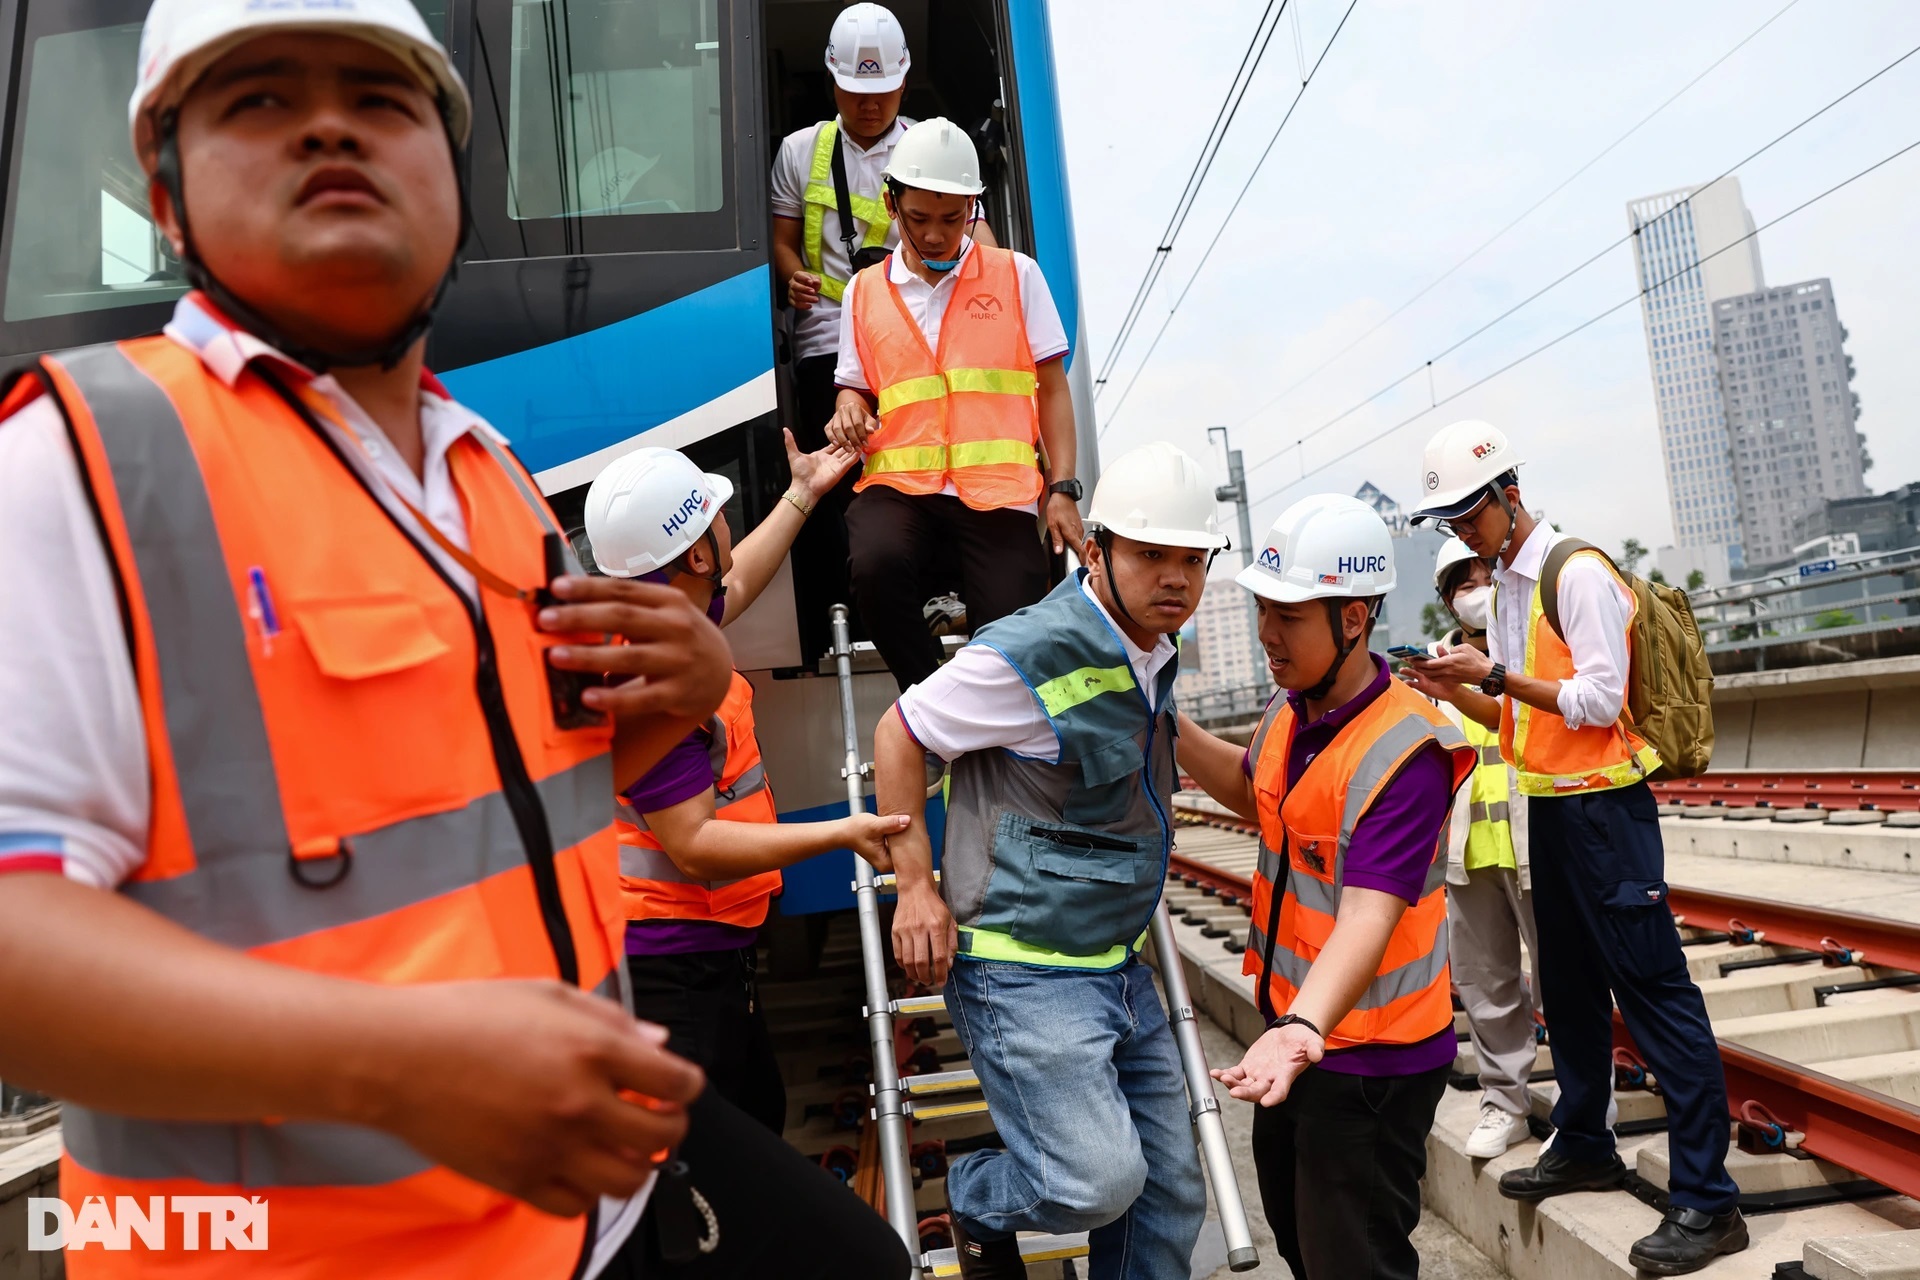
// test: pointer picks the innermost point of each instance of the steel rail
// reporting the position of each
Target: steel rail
(1892, 789)
(1869, 1133)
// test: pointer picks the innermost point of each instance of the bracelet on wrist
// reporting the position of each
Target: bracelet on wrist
(799, 501)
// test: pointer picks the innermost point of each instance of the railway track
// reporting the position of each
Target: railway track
(1817, 1012)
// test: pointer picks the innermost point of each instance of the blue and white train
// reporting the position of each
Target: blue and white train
(617, 288)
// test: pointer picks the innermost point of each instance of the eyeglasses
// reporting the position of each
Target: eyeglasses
(1453, 527)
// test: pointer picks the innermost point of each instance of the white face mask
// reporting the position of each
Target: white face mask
(1474, 608)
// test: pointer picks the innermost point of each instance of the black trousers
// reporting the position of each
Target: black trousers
(820, 551)
(894, 539)
(709, 1003)
(779, 1213)
(1600, 906)
(1340, 1164)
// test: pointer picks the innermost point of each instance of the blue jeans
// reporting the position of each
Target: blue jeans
(1084, 1084)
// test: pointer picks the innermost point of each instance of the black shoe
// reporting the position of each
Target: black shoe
(1555, 1174)
(985, 1259)
(1688, 1240)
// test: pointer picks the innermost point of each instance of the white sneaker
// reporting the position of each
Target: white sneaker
(1496, 1131)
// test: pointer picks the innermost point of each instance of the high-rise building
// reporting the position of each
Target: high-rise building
(1224, 653)
(1691, 248)
(1784, 375)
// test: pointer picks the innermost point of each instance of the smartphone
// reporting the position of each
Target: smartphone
(1405, 651)
(565, 688)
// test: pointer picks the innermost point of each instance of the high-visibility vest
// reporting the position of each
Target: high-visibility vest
(653, 887)
(1059, 864)
(1489, 801)
(353, 773)
(820, 197)
(970, 414)
(1550, 757)
(1304, 832)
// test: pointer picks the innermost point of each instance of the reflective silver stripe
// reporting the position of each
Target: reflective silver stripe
(1490, 753)
(1436, 870)
(1269, 864)
(533, 499)
(1409, 979)
(295, 1154)
(639, 862)
(1313, 893)
(1379, 761)
(1257, 940)
(252, 900)
(222, 762)
(1265, 727)
(625, 810)
(750, 783)
(1481, 811)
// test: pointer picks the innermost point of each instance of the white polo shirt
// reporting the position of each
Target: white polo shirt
(978, 702)
(816, 330)
(1594, 608)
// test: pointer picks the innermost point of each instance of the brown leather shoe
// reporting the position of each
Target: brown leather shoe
(985, 1259)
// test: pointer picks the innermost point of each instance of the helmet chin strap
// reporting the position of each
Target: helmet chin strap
(1336, 608)
(1500, 496)
(387, 354)
(717, 579)
(1103, 538)
(932, 264)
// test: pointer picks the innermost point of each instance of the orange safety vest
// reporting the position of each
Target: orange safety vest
(1549, 756)
(969, 415)
(352, 773)
(1304, 832)
(654, 887)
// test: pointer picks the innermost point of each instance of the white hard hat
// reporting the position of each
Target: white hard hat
(1452, 552)
(182, 38)
(646, 508)
(936, 155)
(1461, 461)
(867, 52)
(1159, 495)
(1327, 547)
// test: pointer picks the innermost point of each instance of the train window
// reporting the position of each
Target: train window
(435, 12)
(616, 108)
(79, 238)
(602, 126)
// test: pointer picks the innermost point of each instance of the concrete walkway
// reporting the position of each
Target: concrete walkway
(1888, 894)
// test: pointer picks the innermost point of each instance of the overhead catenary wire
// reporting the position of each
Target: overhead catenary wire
(1584, 325)
(1250, 60)
(1221, 229)
(1524, 214)
(1427, 364)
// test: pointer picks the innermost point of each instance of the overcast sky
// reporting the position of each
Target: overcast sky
(1431, 125)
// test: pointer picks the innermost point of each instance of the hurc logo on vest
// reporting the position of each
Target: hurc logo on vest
(206, 1222)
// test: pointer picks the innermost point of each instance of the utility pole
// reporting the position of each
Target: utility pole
(1235, 491)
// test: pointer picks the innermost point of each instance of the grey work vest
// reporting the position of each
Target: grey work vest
(1061, 864)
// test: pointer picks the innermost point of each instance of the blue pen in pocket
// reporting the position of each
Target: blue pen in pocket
(260, 608)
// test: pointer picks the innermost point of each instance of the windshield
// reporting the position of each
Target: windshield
(615, 108)
(78, 235)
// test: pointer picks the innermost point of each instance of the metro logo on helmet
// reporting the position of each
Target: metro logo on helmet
(1272, 560)
(868, 67)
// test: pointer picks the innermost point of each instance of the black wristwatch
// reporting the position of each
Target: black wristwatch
(1496, 682)
(1295, 1020)
(1071, 488)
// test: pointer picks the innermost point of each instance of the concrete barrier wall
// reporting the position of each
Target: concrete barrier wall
(1851, 715)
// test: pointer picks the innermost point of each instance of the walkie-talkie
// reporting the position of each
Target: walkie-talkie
(565, 688)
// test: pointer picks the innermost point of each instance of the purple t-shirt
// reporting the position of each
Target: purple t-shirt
(683, 773)
(1392, 850)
